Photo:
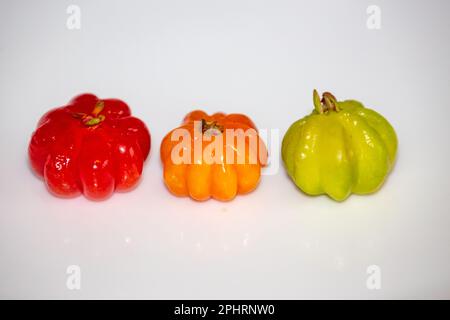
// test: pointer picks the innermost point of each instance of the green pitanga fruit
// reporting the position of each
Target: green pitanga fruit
(339, 149)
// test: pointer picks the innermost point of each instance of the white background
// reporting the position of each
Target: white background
(261, 58)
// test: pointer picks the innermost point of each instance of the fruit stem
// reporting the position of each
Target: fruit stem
(98, 108)
(91, 121)
(94, 118)
(208, 125)
(330, 101)
(317, 103)
(327, 103)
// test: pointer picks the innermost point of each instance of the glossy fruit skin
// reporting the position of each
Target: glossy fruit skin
(220, 180)
(337, 153)
(91, 146)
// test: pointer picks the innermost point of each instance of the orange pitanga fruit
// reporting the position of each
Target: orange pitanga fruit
(217, 156)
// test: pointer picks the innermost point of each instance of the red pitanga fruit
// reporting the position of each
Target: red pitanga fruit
(91, 146)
